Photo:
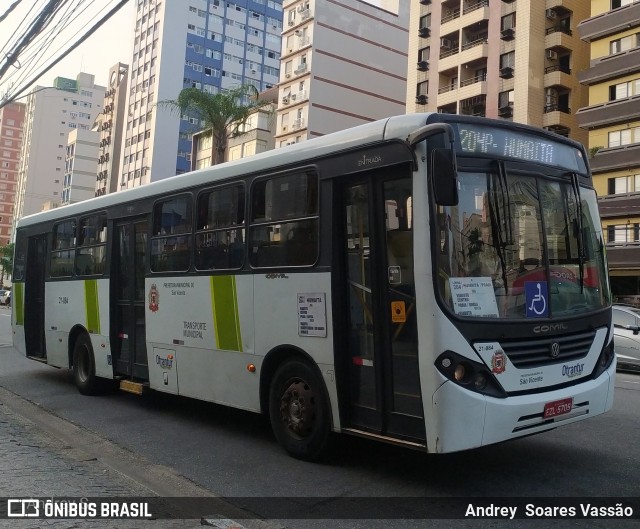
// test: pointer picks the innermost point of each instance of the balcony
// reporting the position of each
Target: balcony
(611, 67)
(610, 22)
(557, 116)
(473, 7)
(559, 39)
(558, 28)
(452, 15)
(616, 158)
(619, 206)
(557, 107)
(557, 75)
(298, 124)
(609, 113)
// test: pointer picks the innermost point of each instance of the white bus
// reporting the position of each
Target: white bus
(430, 280)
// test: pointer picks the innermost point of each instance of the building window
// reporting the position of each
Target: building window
(624, 90)
(624, 184)
(508, 21)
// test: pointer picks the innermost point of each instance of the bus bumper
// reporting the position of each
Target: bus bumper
(474, 420)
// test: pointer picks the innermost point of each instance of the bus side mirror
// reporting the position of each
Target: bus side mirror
(445, 176)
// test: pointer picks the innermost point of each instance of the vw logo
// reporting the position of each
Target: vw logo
(555, 349)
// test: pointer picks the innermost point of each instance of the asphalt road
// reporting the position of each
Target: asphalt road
(233, 454)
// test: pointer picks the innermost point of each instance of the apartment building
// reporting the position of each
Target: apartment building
(80, 167)
(344, 63)
(211, 45)
(612, 119)
(11, 122)
(110, 125)
(52, 112)
(510, 59)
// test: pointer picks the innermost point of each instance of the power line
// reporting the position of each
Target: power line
(31, 62)
(94, 28)
(8, 11)
(41, 22)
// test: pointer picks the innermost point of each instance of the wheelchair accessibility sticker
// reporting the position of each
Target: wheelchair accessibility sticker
(536, 298)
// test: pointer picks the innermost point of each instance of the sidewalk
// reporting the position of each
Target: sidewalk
(34, 465)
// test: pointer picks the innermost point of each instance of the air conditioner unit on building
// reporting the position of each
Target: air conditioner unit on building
(292, 22)
(550, 13)
(298, 33)
(552, 55)
(287, 75)
(285, 100)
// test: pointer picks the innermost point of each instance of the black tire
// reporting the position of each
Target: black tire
(84, 366)
(299, 410)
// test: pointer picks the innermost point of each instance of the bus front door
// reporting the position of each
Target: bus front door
(128, 337)
(379, 344)
(34, 298)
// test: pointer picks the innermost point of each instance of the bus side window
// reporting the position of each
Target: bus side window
(172, 235)
(219, 229)
(64, 242)
(285, 221)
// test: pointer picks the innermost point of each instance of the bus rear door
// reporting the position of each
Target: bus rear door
(128, 336)
(34, 297)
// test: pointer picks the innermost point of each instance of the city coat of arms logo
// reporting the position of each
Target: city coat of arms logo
(498, 363)
(154, 298)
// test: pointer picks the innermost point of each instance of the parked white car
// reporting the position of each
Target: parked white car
(626, 323)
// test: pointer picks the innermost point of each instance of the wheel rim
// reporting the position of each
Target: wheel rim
(298, 408)
(83, 364)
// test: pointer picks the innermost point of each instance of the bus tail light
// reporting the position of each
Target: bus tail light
(471, 375)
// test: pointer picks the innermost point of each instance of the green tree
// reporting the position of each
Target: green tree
(6, 261)
(223, 114)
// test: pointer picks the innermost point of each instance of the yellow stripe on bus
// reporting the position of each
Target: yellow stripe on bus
(91, 305)
(226, 320)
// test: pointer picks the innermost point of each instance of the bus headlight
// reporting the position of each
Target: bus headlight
(606, 357)
(469, 374)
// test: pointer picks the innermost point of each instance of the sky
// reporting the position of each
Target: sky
(110, 44)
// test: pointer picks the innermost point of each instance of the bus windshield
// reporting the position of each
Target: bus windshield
(521, 246)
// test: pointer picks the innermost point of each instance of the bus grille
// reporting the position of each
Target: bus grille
(537, 352)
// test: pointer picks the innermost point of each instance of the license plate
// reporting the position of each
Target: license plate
(557, 407)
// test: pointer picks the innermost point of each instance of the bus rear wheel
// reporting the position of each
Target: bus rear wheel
(299, 411)
(84, 366)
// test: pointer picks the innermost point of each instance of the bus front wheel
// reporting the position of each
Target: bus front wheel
(84, 367)
(298, 410)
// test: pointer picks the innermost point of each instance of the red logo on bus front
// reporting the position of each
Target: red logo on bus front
(498, 363)
(154, 298)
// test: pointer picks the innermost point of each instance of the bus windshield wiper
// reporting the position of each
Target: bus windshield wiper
(578, 227)
(500, 212)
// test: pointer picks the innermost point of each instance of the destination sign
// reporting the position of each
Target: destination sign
(481, 139)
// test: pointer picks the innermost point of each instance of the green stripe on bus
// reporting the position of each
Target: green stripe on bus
(226, 321)
(91, 305)
(18, 302)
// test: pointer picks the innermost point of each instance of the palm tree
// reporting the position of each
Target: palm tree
(6, 261)
(223, 114)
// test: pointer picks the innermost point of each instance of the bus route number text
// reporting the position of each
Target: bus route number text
(63, 300)
(509, 146)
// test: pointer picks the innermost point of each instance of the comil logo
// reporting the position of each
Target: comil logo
(26, 508)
